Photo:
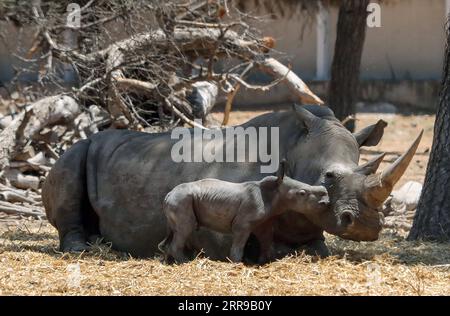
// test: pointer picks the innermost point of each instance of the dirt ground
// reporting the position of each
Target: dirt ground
(31, 265)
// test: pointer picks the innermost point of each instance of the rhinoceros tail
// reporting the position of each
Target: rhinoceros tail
(162, 246)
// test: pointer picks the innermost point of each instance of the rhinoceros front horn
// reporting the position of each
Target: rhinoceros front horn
(380, 185)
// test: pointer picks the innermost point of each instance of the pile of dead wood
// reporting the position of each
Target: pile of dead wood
(32, 139)
(147, 79)
(168, 73)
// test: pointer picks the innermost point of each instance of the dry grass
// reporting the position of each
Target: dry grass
(31, 265)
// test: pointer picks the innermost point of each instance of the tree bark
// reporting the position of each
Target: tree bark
(351, 33)
(432, 218)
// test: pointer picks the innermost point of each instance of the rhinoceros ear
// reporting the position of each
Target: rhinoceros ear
(281, 171)
(305, 117)
(371, 135)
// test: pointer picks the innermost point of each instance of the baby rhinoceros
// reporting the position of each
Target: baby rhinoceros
(237, 208)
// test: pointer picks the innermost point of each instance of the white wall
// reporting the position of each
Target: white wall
(411, 39)
(409, 45)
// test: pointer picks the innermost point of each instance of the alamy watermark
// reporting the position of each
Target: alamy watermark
(374, 16)
(74, 275)
(233, 144)
(373, 275)
(73, 15)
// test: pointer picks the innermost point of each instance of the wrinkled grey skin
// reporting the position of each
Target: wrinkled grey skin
(237, 208)
(114, 183)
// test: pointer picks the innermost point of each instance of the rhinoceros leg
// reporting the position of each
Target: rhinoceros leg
(240, 237)
(176, 247)
(66, 202)
(264, 234)
(214, 245)
(181, 223)
(317, 247)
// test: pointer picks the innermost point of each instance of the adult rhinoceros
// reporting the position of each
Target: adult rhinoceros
(113, 184)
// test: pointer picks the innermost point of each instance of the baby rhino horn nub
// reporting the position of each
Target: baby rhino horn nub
(380, 185)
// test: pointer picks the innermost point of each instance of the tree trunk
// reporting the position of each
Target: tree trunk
(351, 32)
(432, 219)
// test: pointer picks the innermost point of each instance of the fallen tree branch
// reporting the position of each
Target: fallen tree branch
(46, 112)
(297, 86)
(13, 197)
(21, 180)
(229, 104)
(211, 25)
(127, 83)
(14, 209)
(183, 117)
(258, 87)
(231, 95)
(200, 40)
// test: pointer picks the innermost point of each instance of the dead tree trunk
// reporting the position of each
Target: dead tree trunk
(432, 219)
(351, 32)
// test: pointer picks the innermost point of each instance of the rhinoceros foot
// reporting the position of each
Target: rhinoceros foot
(74, 247)
(315, 247)
(318, 248)
(73, 243)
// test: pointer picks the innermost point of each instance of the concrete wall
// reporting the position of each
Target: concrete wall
(402, 60)
(418, 94)
(408, 45)
(8, 45)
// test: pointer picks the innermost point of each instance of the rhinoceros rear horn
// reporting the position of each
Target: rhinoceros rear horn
(371, 166)
(305, 117)
(380, 185)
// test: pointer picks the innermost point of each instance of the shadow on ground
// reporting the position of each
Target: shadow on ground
(390, 246)
(393, 246)
(46, 241)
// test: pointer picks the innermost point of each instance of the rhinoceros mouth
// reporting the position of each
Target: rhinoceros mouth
(359, 223)
(364, 228)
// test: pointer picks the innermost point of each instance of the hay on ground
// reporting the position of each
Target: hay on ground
(31, 265)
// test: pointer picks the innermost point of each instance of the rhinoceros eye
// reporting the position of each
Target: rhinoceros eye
(329, 175)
